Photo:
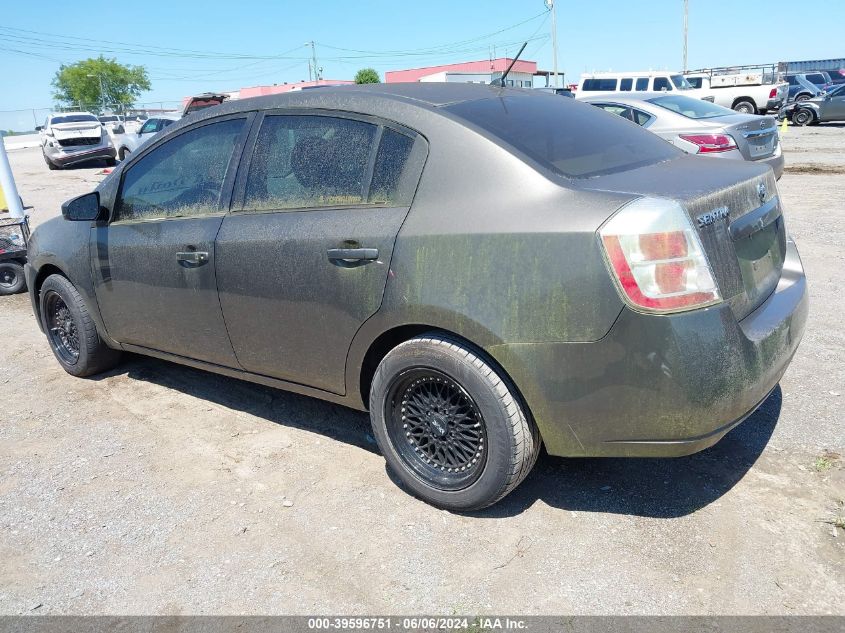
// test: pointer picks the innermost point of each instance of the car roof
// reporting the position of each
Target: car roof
(72, 113)
(425, 94)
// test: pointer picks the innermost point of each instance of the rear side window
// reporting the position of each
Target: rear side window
(625, 84)
(309, 161)
(596, 85)
(640, 117)
(662, 83)
(570, 138)
(816, 78)
(391, 162)
(695, 82)
(182, 177)
(642, 84)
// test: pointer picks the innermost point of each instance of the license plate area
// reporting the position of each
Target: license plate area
(761, 145)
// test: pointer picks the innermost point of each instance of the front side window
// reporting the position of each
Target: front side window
(625, 84)
(642, 84)
(816, 78)
(181, 177)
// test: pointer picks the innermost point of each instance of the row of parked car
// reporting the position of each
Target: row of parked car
(70, 138)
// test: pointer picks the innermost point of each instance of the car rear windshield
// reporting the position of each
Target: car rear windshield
(573, 139)
(74, 118)
(689, 107)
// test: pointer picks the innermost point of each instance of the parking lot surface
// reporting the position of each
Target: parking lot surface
(161, 489)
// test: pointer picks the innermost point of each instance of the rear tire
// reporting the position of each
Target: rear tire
(449, 426)
(745, 106)
(802, 117)
(12, 280)
(71, 331)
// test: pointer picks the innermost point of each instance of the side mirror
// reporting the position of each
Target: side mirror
(84, 208)
(38, 128)
(140, 129)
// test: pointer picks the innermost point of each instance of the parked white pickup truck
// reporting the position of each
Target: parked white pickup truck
(751, 90)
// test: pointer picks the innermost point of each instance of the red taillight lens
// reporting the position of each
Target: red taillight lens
(711, 143)
(773, 93)
(657, 258)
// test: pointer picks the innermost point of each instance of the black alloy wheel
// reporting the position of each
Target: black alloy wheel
(61, 328)
(436, 428)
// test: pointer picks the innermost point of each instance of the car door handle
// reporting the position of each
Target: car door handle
(353, 254)
(192, 259)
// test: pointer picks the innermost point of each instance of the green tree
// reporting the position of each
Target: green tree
(367, 76)
(80, 84)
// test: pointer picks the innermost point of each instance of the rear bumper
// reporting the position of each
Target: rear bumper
(775, 161)
(660, 386)
(63, 157)
(774, 104)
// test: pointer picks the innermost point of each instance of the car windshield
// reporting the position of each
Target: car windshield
(689, 107)
(74, 118)
(572, 139)
(680, 82)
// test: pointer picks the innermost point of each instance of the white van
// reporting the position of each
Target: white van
(592, 84)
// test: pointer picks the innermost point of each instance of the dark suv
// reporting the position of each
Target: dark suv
(482, 268)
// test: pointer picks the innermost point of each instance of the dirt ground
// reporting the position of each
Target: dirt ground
(158, 489)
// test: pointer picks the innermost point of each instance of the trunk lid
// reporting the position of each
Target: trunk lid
(735, 208)
(756, 136)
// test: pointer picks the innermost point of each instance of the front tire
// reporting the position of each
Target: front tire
(449, 425)
(12, 280)
(71, 331)
(802, 117)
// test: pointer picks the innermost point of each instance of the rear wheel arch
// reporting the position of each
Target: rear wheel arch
(390, 339)
(745, 100)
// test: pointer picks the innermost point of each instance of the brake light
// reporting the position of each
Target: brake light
(711, 143)
(656, 257)
(773, 93)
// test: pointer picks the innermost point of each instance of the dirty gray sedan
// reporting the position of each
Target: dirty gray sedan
(483, 269)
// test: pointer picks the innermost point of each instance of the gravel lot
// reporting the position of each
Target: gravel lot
(158, 489)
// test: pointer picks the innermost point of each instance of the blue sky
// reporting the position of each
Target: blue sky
(236, 44)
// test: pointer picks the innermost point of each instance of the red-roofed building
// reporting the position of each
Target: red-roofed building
(257, 91)
(524, 73)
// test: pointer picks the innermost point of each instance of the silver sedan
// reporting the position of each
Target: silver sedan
(700, 127)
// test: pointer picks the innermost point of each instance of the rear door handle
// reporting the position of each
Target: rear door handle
(353, 254)
(192, 259)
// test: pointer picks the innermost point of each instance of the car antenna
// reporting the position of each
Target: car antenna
(513, 61)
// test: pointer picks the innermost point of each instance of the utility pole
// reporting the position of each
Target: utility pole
(551, 5)
(686, 30)
(313, 62)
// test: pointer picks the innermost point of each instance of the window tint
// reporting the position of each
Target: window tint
(391, 161)
(816, 78)
(618, 110)
(662, 83)
(309, 161)
(595, 85)
(640, 117)
(150, 126)
(625, 84)
(642, 84)
(695, 82)
(182, 177)
(563, 135)
(680, 82)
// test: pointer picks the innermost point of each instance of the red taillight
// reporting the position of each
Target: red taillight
(773, 93)
(657, 258)
(710, 143)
